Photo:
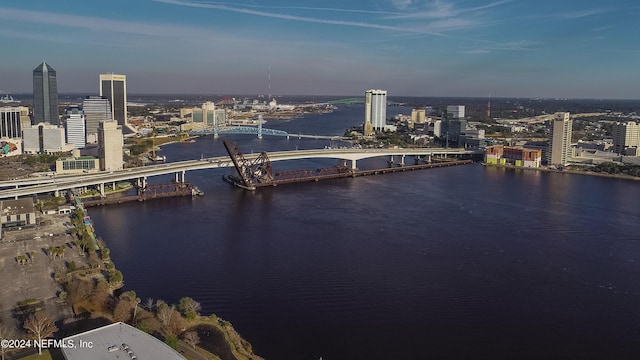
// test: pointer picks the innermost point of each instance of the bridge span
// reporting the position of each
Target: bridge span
(139, 176)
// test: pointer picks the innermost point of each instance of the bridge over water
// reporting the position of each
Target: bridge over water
(139, 176)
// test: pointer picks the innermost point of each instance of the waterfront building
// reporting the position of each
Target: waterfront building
(110, 145)
(75, 127)
(473, 138)
(513, 155)
(45, 95)
(117, 341)
(77, 165)
(96, 109)
(44, 138)
(114, 88)
(12, 120)
(560, 143)
(375, 111)
(626, 137)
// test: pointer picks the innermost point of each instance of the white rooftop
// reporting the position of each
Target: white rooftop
(118, 341)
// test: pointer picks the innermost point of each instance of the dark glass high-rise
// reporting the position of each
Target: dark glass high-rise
(45, 95)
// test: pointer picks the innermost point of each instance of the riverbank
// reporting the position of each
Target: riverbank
(566, 171)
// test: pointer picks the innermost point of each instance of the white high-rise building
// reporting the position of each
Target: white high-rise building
(375, 111)
(75, 126)
(110, 144)
(625, 135)
(560, 143)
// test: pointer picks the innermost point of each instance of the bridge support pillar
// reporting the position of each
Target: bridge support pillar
(402, 161)
(390, 161)
(101, 189)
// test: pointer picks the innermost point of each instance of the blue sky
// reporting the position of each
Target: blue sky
(509, 48)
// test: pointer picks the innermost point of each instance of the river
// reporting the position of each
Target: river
(447, 263)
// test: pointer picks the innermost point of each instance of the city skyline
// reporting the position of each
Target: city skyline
(506, 48)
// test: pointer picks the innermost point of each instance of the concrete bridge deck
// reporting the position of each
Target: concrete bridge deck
(57, 183)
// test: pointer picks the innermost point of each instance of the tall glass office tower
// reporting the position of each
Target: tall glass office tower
(114, 88)
(45, 95)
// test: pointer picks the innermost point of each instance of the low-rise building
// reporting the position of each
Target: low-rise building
(17, 213)
(77, 165)
(513, 155)
(117, 341)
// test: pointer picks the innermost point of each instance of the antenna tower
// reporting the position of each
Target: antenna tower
(269, 84)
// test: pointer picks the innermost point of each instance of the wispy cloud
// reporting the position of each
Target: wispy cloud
(250, 11)
(439, 9)
(583, 13)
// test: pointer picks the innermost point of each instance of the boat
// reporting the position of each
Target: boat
(157, 158)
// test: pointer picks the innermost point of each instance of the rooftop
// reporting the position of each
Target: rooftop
(118, 341)
(15, 207)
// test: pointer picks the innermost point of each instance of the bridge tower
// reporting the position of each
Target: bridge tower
(260, 126)
(256, 172)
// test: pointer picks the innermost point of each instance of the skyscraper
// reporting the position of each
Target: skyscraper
(560, 143)
(45, 95)
(375, 111)
(75, 127)
(114, 88)
(96, 109)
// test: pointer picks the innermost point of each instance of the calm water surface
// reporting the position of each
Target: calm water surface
(463, 262)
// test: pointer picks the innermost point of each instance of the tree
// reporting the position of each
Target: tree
(149, 304)
(191, 338)
(122, 311)
(6, 332)
(189, 307)
(40, 326)
(172, 341)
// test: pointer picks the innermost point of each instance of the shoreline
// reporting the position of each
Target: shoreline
(573, 172)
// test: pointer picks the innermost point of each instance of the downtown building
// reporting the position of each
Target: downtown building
(110, 145)
(114, 88)
(375, 110)
(75, 127)
(626, 138)
(45, 95)
(44, 138)
(12, 120)
(96, 109)
(560, 143)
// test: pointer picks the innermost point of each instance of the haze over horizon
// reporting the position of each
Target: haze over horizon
(458, 48)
